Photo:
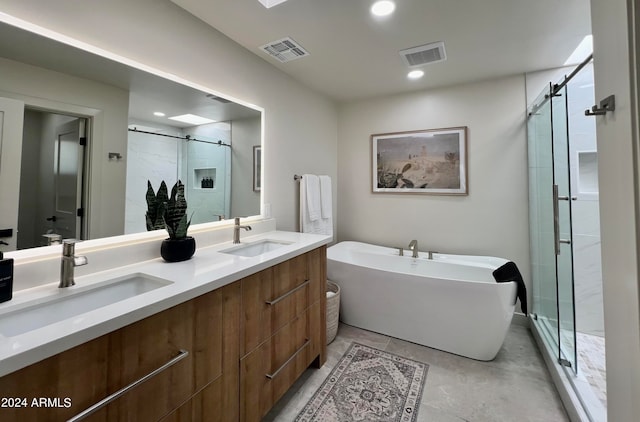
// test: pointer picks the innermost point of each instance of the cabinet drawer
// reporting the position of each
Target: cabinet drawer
(205, 406)
(152, 344)
(205, 327)
(145, 356)
(269, 371)
(274, 297)
(93, 371)
(79, 374)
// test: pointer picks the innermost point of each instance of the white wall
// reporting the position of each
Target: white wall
(27, 210)
(615, 23)
(491, 220)
(300, 128)
(245, 134)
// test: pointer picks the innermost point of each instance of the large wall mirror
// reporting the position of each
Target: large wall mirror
(82, 135)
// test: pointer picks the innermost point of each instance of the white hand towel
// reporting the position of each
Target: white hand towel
(325, 197)
(312, 185)
(319, 226)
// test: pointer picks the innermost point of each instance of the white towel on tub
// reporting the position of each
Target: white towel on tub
(320, 225)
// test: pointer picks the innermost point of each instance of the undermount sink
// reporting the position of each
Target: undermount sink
(74, 301)
(255, 248)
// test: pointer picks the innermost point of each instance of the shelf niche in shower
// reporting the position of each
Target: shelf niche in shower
(205, 178)
(588, 172)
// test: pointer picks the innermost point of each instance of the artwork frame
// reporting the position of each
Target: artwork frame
(257, 168)
(429, 161)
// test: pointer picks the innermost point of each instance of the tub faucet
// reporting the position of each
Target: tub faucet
(413, 246)
(69, 262)
(236, 230)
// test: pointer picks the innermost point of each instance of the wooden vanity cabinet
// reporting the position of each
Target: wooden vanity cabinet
(206, 327)
(283, 330)
(247, 343)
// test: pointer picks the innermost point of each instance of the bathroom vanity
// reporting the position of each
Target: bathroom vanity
(223, 350)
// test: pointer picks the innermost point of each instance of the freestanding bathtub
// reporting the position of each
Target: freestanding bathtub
(451, 302)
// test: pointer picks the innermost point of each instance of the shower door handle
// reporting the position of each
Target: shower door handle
(556, 220)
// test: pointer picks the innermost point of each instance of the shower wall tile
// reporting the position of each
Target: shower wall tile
(542, 142)
(548, 295)
(535, 293)
(531, 146)
(534, 239)
(586, 218)
(545, 200)
(150, 158)
(589, 320)
(205, 204)
(548, 309)
(588, 284)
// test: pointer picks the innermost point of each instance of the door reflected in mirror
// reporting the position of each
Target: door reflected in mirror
(127, 119)
(51, 178)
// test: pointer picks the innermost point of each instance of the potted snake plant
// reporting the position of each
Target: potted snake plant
(172, 211)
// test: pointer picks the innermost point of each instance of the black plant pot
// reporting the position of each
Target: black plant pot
(176, 250)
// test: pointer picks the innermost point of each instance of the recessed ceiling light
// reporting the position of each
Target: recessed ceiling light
(192, 119)
(383, 8)
(415, 74)
(270, 3)
(159, 114)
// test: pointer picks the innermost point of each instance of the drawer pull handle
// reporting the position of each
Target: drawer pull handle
(102, 403)
(271, 376)
(290, 292)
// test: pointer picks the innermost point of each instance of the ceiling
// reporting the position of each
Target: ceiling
(353, 55)
(148, 92)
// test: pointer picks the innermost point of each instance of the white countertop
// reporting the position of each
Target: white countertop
(206, 271)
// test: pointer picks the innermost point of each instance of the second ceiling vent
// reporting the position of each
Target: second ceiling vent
(424, 54)
(285, 50)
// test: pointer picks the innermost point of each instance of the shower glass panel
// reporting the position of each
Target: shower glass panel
(207, 177)
(563, 237)
(541, 208)
(199, 156)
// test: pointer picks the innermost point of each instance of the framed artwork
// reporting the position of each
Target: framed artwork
(432, 161)
(257, 167)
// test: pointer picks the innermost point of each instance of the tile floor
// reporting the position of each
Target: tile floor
(592, 365)
(515, 386)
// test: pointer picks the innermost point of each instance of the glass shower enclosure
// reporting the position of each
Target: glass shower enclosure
(564, 237)
(200, 157)
(550, 223)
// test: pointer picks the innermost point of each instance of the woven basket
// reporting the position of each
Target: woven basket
(333, 311)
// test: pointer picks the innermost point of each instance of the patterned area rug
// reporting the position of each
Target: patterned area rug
(368, 385)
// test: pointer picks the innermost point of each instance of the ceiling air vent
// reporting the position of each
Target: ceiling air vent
(424, 54)
(220, 99)
(285, 50)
